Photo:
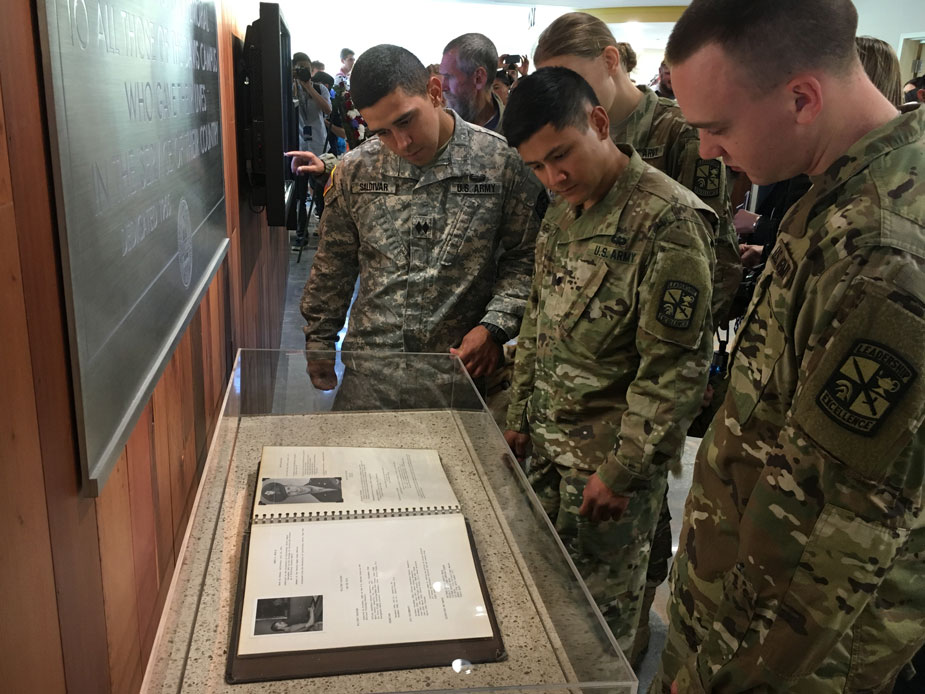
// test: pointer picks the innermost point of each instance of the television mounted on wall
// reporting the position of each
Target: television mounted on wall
(270, 120)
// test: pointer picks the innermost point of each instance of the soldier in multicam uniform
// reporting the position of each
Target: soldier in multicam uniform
(801, 566)
(439, 219)
(656, 129)
(613, 354)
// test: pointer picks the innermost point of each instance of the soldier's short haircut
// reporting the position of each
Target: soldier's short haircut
(771, 40)
(474, 51)
(381, 70)
(553, 96)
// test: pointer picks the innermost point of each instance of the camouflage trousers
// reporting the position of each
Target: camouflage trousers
(612, 556)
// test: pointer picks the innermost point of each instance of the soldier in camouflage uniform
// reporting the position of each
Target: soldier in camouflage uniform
(801, 565)
(612, 358)
(656, 129)
(436, 216)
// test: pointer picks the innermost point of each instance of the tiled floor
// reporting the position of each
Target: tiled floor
(293, 338)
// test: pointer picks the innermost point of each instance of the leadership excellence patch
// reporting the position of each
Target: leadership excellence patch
(707, 177)
(862, 391)
(677, 306)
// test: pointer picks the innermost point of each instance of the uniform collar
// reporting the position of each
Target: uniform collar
(906, 128)
(635, 128)
(612, 204)
(453, 161)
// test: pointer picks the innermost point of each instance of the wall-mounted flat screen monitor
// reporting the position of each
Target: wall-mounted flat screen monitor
(271, 124)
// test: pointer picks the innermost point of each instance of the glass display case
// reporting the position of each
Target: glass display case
(554, 636)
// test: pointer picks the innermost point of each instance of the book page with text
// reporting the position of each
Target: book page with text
(360, 582)
(320, 482)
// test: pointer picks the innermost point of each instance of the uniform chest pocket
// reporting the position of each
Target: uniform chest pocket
(379, 219)
(597, 302)
(478, 217)
(760, 344)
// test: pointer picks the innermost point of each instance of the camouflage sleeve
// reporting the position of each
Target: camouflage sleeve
(524, 208)
(841, 487)
(525, 358)
(707, 179)
(674, 342)
(329, 159)
(327, 293)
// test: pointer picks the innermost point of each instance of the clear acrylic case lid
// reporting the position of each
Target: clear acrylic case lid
(554, 635)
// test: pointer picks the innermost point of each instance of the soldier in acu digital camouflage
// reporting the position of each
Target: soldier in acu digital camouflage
(801, 565)
(656, 128)
(613, 354)
(437, 217)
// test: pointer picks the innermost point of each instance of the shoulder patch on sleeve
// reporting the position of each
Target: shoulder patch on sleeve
(330, 183)
(863, 398)
(677, 305)
(677, 297)
(865, 387)
(708, 176)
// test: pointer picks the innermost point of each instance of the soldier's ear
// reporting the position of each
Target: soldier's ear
(599, 122)
(435, 90)
(611, 57)
(804, 93)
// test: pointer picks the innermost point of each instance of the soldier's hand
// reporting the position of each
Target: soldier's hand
(478, 351)
(305, 163)
(518, 443)
(599, 503)
(750, 254)
(674, 688)
(322, 375)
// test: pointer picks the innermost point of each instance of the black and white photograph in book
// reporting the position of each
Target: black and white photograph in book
(289, 615)
(300, 491)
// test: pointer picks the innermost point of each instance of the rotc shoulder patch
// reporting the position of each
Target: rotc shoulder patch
(677, 305)
(707, 178)
(863, 390)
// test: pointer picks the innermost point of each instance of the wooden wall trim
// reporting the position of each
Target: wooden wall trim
(71, 520)
(28, 609)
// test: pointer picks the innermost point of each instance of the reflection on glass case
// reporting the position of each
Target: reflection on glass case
(362, 526)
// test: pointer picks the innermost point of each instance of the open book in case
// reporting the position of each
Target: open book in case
(356, 560)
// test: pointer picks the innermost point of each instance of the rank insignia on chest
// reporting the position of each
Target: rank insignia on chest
(677, 305)
(863, 390)
(707, 178)
(421, 226)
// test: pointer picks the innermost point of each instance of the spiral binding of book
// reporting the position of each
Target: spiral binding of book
(299, 517)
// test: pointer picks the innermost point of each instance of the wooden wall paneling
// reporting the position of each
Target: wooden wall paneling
(198, 395)
(163, 462)
(217, 304)
(142, 489)
(236, 290)
(71, 518)
(30, 640)
(161, 470)
(117, 560)
(207, 351)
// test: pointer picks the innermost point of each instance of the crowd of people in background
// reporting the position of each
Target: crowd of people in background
(595, 237)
